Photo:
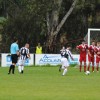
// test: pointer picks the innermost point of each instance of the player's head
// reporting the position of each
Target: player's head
(39, 44)
(83, 42)
(27, 45)
(98, 44)
(93, 43)
(16, 40)
(68, 47)
(63, 47)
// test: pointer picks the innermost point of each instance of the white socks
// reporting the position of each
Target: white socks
(20, 68)
(65, 71)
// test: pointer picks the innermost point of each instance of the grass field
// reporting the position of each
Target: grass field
(46, 83)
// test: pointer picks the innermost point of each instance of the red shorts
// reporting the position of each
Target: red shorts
(82, 58)
(97, 60)
(91, 59)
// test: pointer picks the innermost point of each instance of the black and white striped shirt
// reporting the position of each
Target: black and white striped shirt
(66, 54)
(23, 53)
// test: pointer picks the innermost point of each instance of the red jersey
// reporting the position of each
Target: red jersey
(97, 51)
(83, 49)
(91, 49)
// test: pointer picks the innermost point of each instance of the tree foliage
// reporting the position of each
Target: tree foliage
(34, 21)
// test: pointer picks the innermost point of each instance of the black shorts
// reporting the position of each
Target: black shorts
(14, 58)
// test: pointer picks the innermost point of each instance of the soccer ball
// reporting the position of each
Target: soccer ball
(87, 72)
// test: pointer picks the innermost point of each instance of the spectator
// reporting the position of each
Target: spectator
(38, 49)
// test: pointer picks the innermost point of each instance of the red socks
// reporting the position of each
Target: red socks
(92, 68)
(84, 68)
(88, 68)
(80, 68)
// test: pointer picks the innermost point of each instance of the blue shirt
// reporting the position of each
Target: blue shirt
(14, 48)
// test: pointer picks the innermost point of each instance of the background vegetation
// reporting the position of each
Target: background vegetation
(36, 21)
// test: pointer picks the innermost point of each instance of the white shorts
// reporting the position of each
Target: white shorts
(64, 62)
(21, 62)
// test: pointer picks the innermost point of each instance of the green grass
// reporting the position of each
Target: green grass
(46, 83)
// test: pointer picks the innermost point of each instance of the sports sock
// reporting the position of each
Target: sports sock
(97, 68)
(88, 67)
(84, 68)
(92, 68)
(10, 68)
(22, 69)
(60, 68)
(19, 68)
(65, 71)
(13, 69)
(80, 68)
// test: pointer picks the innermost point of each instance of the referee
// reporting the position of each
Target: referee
(14, 48)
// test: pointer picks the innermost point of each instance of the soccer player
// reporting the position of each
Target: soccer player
(97, 51)
(83, 51)
(14, 55)
(61, 52)
(91, 50)
(64, 60)
(24, 54)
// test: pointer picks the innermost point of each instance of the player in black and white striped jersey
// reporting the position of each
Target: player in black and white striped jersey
(24, 54)
(64, 60)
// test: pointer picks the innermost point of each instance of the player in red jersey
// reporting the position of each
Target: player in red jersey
(97, 51)
(91, 50)
(83, 51)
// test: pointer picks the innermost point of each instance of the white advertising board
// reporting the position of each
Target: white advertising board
(52, 59)
(40, 59)
(6, 60)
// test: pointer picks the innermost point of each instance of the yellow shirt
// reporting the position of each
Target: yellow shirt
(38, 50)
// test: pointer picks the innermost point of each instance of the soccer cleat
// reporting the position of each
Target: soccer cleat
(60, 69)
(97, 71)
(22, 71)
(13, 72)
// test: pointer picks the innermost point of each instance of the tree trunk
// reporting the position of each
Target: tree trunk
(52, 22)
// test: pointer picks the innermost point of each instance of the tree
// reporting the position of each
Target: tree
(53, 26)
(45, 21)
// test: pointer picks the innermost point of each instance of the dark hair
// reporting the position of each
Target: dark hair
(67, 45)
(26, 43)
(83, 40)
(93, 41)
(15, 39)
(98, 41)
